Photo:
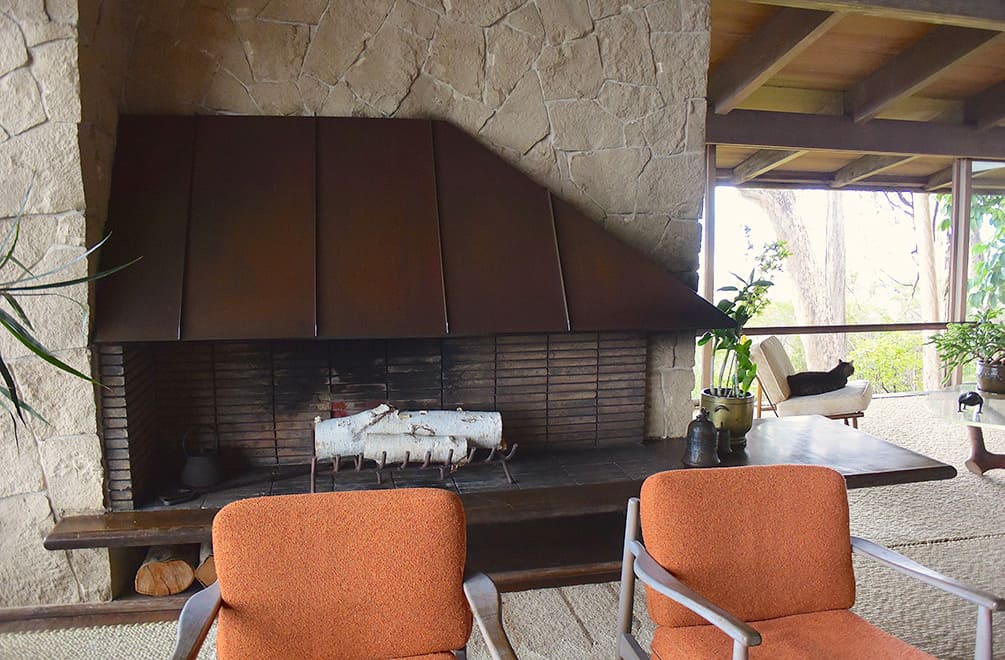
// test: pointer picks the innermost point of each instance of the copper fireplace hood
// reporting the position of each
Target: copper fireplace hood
(298, 227)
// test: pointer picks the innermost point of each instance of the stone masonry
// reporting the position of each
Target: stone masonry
(601, 101)
(46, 470)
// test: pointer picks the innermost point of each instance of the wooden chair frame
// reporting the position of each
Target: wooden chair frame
(200, 611)
(637, 562)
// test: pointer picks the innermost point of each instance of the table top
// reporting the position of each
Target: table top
(945, 403)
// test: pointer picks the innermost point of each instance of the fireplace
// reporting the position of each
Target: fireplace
(364, 261)
(558, 391)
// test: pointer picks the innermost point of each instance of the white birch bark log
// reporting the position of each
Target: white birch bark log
(385, 429)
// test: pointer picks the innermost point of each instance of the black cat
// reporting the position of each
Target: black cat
(818, 382)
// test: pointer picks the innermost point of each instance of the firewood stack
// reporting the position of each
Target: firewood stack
(171, 569)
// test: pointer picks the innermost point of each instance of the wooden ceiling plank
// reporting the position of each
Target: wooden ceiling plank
(762, 161)
(987, 108)
(865, 167)
(764, 53)
(965, 13)
(940, 179)
(789, 131)
(913, 69)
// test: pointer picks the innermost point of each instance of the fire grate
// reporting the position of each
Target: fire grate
(448, 467)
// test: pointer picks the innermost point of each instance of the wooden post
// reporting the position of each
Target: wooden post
(708, 247)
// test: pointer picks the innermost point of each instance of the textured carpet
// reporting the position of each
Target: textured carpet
(955, 526)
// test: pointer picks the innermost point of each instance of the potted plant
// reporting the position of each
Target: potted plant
(17, 282)
(729, 400)
(981, 340)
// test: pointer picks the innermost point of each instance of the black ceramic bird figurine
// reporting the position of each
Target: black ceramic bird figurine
(970, 399)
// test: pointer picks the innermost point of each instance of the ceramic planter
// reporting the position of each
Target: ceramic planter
(736, 414)
(991, 377)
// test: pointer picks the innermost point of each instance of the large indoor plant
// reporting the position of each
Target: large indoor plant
(729, 400)
(19, 282)
(982, 341)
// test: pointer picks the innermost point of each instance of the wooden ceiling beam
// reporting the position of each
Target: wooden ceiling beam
(987, 108)
(964, 13)
(803, 180)
(944, 177)
(865, 167)
(792, 131)
(764, 53)
(913, 69)
(763, 161)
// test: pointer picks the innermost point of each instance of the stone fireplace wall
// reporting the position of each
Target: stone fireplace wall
(47, 470)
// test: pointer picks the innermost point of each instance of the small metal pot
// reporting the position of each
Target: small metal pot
(202, 466)
(701, 442)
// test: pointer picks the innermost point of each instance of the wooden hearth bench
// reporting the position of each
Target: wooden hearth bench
(562, 521)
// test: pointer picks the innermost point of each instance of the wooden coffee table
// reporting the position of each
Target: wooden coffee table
(990, 415)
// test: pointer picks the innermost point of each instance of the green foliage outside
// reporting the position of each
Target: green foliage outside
(891, 361)
(987, 224)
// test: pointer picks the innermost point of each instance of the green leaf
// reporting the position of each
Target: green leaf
(11, 388)
(17, 310)
(25, 337)
(727, 288)
(10, 252)
(61, 267)
(66, 283)
(31, 411)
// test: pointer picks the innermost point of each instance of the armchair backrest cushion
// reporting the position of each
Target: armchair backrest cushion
(360, 574)
(773, 367)
(760, 541)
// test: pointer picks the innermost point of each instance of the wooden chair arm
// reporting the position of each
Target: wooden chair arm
(661, 580)
(902, 564)
(483, 597)
(196, 619)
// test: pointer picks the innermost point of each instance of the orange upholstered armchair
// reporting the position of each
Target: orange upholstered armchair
(758, 560)
(364, 574)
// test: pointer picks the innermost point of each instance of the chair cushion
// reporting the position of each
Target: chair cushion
(760, 541)
(365, 574)
(773, 368)
(833, 635)
(853, 397)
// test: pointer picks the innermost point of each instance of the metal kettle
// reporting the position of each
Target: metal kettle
(202, 466)
(702, 442)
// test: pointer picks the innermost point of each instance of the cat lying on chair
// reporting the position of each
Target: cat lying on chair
(818, 382)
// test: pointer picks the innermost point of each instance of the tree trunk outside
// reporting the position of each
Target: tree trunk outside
(820, 289)
(928, 287)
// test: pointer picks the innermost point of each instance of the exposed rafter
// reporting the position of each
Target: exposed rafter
(966, 13)
(914, 68)
(763, 161)
(764, 53)
(792, 131)
(941, 179)
(865, 167)
(944, 178)
(987, 108)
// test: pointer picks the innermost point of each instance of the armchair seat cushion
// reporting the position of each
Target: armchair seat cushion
(827, 635)
(853, 397)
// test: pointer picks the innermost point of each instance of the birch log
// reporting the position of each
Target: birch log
(166, 570)
(385, 429)
(206, 572)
